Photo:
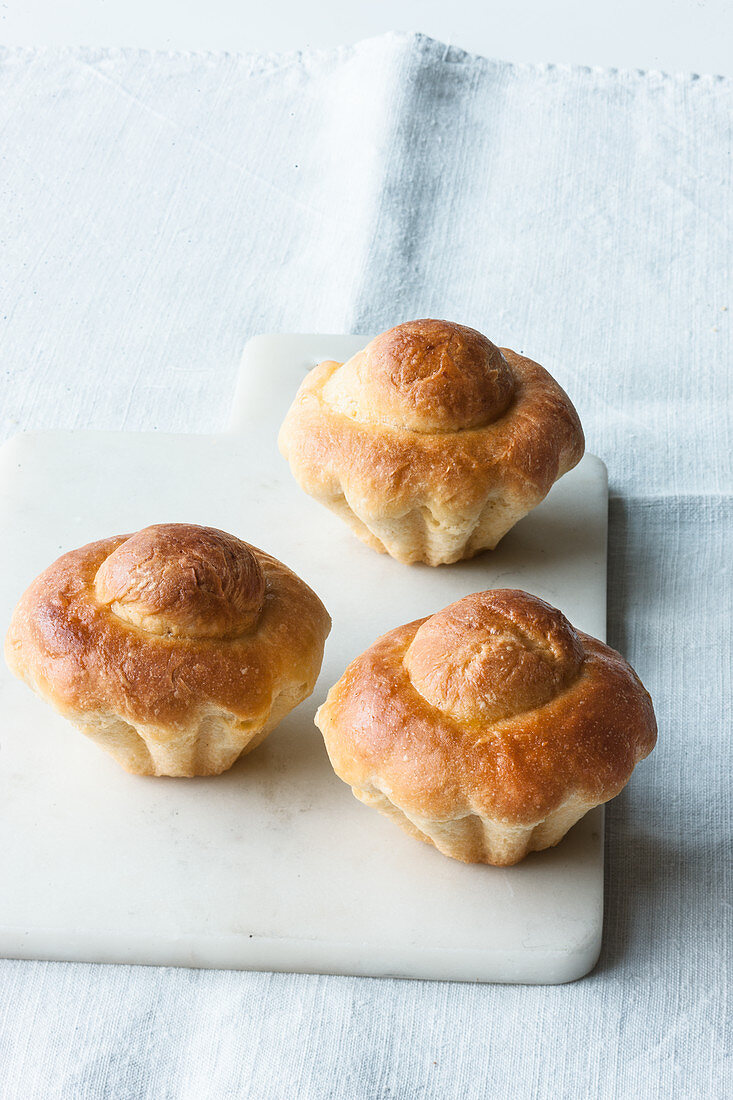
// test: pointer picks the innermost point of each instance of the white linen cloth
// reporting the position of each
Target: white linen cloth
(159, 209)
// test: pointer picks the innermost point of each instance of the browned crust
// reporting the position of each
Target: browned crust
(524, 452)
(430, 375)
(177, 578)
(381, 733)
(83, 659)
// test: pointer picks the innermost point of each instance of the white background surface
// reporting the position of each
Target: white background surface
(157, 211)
(672, 35)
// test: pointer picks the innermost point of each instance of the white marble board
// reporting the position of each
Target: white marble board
(274, 865)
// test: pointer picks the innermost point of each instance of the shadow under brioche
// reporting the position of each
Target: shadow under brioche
(177, 649)
(489, 728)
(431, 443)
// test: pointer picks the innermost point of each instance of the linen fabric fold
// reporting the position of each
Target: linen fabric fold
(158, 210)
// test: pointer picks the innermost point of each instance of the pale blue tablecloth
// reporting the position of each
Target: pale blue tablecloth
(159, 209)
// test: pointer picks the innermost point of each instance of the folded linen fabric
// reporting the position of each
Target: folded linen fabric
(159, 209)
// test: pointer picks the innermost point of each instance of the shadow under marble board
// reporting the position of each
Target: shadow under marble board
(273, 865)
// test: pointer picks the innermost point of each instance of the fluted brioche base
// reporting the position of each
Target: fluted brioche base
(422, 536)
(209, 748)
(477, 839)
